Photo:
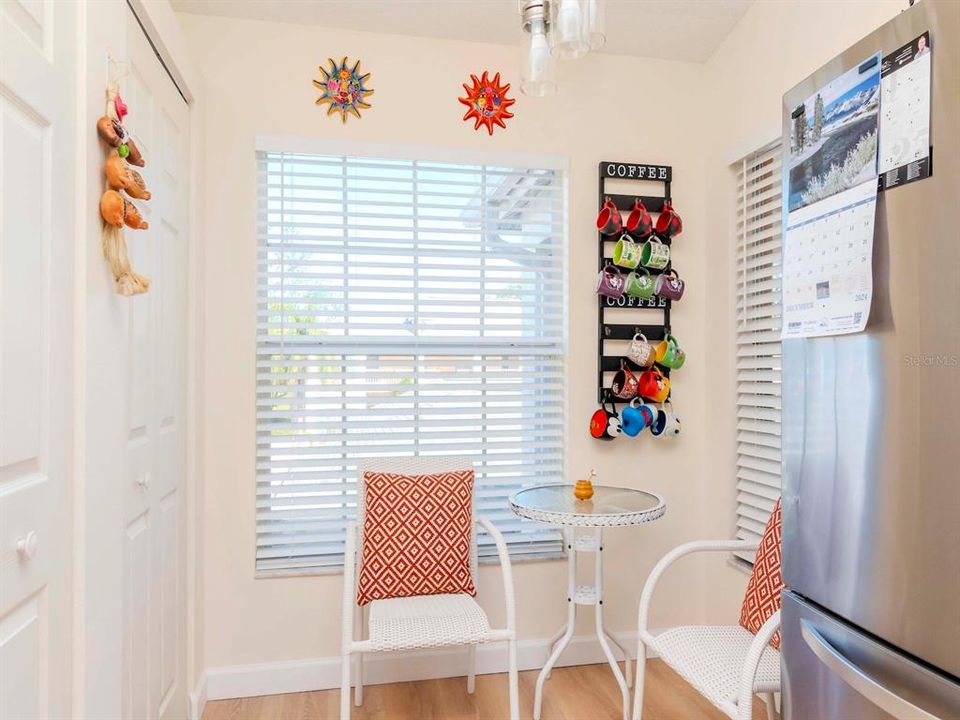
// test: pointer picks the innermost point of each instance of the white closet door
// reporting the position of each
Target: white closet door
(37, 248)
(154, 538)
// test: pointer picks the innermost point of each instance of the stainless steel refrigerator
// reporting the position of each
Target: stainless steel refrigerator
(871, 443)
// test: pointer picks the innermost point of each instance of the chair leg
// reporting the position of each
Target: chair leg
(513, 681)
(471, 668)
(771, 701)
(345, 661)
(638, 685)
(358, 683)
(358, 625)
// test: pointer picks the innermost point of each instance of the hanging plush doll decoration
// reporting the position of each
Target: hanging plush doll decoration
(116, 208)
(344, 89)
(487, 102)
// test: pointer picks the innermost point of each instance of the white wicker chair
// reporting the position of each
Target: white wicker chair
(426, 621)
(724, 663)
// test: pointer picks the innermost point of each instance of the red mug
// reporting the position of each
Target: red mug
(653, 385)
(609, 221)
(624, 385)
(669, 223)
(669, 285)
(605, 424)
(639, 222)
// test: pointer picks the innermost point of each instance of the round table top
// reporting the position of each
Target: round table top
(609, 506)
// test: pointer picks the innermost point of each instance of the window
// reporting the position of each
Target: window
(758, 339)
(405, 307)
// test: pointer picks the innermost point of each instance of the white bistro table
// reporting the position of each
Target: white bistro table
(609, 507)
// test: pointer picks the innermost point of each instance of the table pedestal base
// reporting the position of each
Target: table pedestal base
(584, 595)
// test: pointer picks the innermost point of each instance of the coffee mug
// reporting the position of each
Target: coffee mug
(653, 385)
(641, 351)
(669, 353)
(624, 384)
(610, 282)
(604, 424)
(633, 421)
(669, 223)
(655, 254)
(667, 424)
(649, 411)
(669, 285)
(609, 221)
(639, 222)
(626, 253)
(640, 284)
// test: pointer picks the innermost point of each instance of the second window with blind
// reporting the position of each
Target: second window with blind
(758, 271)
(405, 307)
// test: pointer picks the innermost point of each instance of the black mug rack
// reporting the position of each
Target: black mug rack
(658, 330)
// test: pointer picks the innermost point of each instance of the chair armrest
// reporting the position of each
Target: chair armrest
(505, 569)
(749, 673)
(671, 557)
(349, 584)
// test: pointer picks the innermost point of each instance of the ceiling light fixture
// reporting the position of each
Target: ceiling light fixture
(538, 76)
(556, 28)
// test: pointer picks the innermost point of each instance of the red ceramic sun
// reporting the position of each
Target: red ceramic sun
(487, 102)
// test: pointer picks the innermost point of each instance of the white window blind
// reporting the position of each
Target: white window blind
(405, 307)
(758, 339)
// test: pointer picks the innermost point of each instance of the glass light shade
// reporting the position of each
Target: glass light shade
(538, 66)
(596, 23)
(570, 39)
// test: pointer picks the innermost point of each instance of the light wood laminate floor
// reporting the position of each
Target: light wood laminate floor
(582, 692)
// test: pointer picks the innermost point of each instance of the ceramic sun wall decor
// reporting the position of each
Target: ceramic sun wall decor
(344, 88)
(487, 102)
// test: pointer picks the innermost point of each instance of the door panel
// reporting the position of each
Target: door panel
(37, 249)
(154, 577)
(833, 671)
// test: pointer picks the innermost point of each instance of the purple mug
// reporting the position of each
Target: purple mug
(610, 282)
(669, 285)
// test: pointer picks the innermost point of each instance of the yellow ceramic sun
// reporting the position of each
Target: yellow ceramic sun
(343, 88)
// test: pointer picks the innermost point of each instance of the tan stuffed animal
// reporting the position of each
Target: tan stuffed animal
(120, 176)
(110, 131)
(117, 210)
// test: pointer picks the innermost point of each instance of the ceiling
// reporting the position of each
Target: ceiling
(668, 29)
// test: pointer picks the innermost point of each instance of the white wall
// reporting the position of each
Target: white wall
(773, 47)
(257, 79)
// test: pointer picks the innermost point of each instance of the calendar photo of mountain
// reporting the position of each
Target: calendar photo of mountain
(833, 137)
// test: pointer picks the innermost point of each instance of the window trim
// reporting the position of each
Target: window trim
(427, 154)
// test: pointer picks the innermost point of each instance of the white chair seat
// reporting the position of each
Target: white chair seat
(711, 657)
(426, 621)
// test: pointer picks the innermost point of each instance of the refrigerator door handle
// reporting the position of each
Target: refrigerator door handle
(857, 679)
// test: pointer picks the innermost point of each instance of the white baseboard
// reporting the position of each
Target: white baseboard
(198, 698)
(234, 681)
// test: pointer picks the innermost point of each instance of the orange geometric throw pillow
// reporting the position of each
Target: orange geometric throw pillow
(416, 535)
(762, 598)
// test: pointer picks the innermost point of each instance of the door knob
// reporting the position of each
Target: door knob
(27, 545)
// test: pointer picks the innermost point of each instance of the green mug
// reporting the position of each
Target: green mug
(626, 253)
(641, 284)
(655, 254)
(670, 354)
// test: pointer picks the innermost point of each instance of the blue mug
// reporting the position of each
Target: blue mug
(636, 417)
(632, 422)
